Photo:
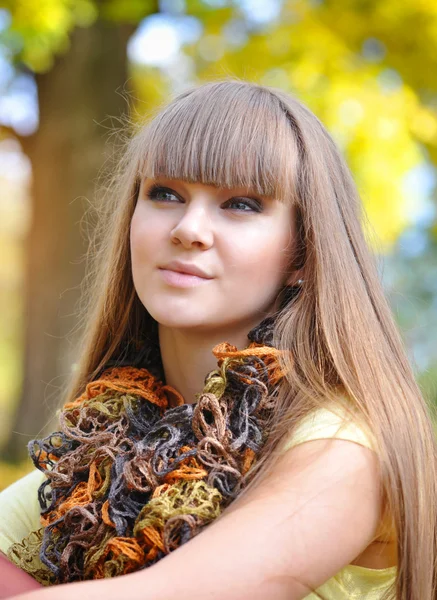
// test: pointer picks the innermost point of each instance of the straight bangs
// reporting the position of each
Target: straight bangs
(225, 135)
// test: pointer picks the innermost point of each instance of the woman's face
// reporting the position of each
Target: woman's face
(240, 244)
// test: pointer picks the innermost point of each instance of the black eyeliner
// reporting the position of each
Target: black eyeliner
(255, 205)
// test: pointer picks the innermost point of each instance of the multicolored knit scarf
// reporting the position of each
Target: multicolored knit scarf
(134, 472)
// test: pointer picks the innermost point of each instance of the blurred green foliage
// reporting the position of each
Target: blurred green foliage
(40, 30)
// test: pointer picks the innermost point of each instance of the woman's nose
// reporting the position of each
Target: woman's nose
(194, 228)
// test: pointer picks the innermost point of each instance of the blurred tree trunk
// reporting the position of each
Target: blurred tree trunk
(76, 97)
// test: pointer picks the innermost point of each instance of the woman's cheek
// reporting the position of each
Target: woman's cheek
(270, 263)
(135, 227)
(143, 238)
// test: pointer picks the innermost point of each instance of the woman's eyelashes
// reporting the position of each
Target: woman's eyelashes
(251, 204)
(156, 192)
(159, 193)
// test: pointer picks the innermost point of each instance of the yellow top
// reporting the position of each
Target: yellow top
(20, 510)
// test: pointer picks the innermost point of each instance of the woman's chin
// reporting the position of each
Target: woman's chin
(178, 319)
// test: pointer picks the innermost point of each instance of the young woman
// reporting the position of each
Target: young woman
(241, 385)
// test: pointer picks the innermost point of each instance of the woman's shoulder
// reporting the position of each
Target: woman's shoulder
(19, 509)
(340, 421)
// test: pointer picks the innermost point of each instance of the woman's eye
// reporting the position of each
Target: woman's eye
(161, 194)
(249, 205)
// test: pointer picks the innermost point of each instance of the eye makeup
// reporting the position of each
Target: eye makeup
(252, 205)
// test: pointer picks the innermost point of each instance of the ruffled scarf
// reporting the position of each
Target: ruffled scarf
(134, 472)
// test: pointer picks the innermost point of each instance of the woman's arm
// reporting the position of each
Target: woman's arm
(318, 509)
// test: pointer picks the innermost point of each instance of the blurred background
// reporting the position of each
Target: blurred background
(70, 72)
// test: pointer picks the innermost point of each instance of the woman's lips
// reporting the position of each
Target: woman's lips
(181, 279)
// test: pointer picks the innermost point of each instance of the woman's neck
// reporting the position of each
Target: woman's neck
(187, 356)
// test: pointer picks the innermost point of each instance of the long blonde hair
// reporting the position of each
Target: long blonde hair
(339, 331)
